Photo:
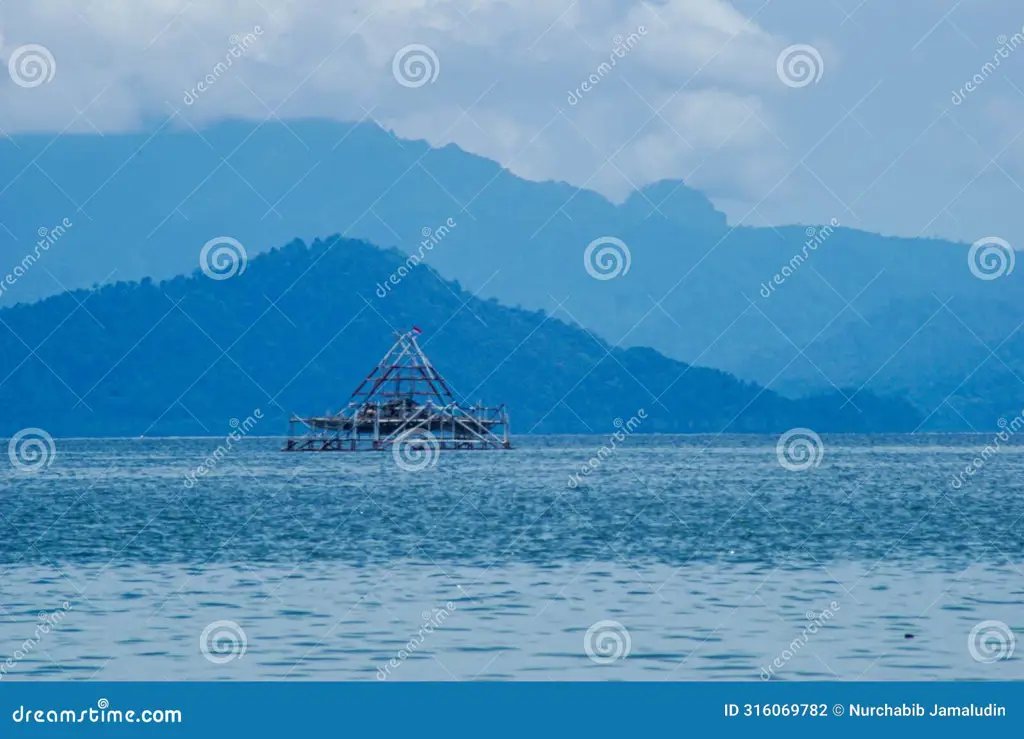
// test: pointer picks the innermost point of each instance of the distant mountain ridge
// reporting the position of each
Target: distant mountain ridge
(299, 327)
(144, 204)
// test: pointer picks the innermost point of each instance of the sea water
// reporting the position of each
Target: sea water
(674, 558)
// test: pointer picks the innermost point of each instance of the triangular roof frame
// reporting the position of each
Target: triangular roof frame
(404, 372)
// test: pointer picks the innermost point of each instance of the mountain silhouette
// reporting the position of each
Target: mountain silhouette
(696, 289)
(294, 331)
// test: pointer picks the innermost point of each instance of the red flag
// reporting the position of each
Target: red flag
(416, 330)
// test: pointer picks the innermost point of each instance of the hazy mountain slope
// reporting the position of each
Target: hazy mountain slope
(144, 204)
(960, 361)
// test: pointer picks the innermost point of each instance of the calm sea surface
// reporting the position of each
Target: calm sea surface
(713, 560)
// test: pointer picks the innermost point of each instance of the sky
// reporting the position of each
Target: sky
(785, 111)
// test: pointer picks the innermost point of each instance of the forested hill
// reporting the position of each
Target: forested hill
(298, 328)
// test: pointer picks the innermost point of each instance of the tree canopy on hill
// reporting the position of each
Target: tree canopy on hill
(299, 328)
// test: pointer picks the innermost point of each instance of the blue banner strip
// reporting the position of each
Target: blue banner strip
(453, 710)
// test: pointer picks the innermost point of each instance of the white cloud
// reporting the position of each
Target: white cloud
(696, 97)
(322, 58)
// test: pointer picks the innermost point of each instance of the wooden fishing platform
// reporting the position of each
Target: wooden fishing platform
(404, 400)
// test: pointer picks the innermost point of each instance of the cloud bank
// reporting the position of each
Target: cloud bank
(608, 95)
